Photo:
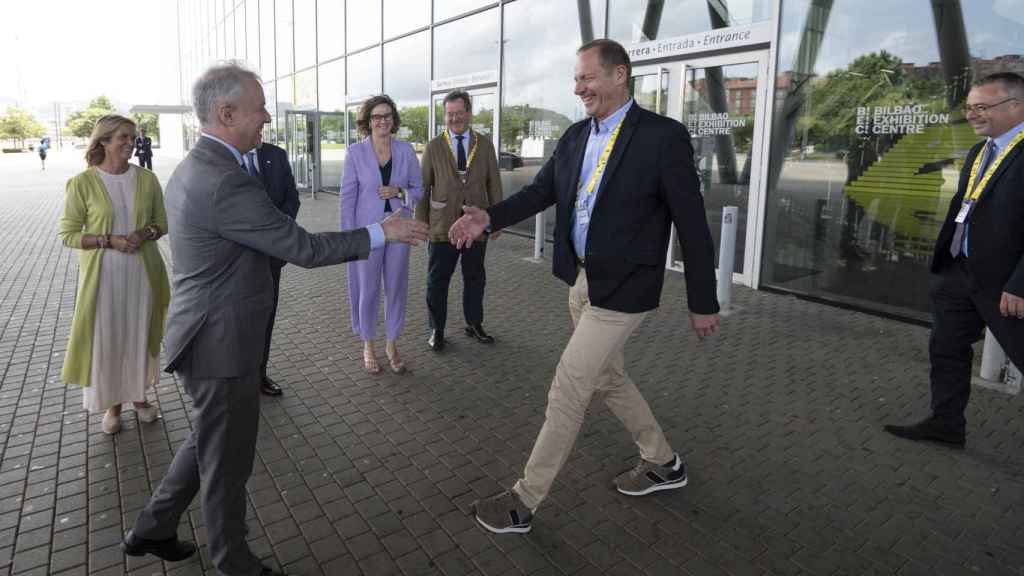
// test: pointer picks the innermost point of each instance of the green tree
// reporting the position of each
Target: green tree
(18, 125)
(148, 122)
(82, 122)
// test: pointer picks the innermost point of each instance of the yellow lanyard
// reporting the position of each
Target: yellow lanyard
(975, 189)
(472, 151)
(599, 169)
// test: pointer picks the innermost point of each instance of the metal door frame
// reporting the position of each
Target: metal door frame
(757, 194)
(312, 120)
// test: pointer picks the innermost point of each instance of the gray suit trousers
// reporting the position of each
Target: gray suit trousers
(218, 455)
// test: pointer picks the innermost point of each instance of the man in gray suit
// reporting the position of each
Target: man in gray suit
(224, 230)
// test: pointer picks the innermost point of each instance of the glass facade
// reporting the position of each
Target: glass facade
(841, 155)
(868, 140)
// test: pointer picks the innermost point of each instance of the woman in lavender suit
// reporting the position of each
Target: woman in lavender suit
(382, 177)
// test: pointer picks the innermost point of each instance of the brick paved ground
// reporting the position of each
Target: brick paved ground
(779, 419)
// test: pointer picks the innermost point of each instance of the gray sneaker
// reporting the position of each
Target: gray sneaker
(647, 477)
(503, 514)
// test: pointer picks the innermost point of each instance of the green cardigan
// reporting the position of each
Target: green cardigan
(87, 210)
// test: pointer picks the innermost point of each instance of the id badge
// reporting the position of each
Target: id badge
(965, 211)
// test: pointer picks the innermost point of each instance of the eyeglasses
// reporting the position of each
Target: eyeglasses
(983, 108)
(380, 117)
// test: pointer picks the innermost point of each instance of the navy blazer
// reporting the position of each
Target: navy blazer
(996, 235)
(649, 183)
(277, 178)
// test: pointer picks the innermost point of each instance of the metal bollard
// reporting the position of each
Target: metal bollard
(538, 236)
(997, 372)
(992, 358)
(727, 256)
(538, 239)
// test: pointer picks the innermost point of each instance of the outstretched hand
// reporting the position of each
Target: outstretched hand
(404, 230)
(469, 227)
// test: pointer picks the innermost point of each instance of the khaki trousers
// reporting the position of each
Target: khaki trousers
(591, 363)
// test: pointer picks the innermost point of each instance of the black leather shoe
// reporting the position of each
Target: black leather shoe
(929, 429)
(270, 388)
(267, 571)
(477, 331)
(436, 341)
(171, 549)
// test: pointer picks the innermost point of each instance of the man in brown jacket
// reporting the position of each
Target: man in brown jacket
(459, 169)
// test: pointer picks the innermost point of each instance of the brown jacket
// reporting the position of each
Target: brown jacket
(444, 193)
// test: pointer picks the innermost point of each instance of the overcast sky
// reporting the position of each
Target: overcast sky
(71, 50)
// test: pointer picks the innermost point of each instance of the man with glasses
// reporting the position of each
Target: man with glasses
(978, 264)
(459, 169)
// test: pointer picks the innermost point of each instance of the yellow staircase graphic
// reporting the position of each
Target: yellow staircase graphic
(909, 188)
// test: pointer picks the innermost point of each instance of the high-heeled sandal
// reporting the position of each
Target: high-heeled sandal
(397, 366)
(370, 364)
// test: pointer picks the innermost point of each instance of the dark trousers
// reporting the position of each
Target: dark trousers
(442, 259)
(146, 162)
(275, 272)
(218, 456)
(960, 313)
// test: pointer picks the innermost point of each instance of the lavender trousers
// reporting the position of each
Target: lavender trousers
(390, 264)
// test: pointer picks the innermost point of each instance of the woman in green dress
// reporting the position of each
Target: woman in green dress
(113, 214)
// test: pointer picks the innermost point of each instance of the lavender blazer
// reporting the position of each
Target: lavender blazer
(360, 203)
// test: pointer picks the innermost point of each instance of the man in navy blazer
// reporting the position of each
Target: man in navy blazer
(270, 164)
(978, 265)
(619, 181)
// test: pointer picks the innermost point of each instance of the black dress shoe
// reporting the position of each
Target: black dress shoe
(267, 571)
(436, 341)
(477, 331)
(270, 388)
(171, 549)
(929, 429)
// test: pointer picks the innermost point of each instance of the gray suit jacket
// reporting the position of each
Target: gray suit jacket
(223, 230)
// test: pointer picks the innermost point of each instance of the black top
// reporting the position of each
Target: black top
(385, 179)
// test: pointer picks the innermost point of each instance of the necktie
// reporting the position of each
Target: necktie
(250, 165)
(460, 153)
(957, 245)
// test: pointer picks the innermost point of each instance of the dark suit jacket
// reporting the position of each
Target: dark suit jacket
(223, 230)
(276, 174)
(996, 234)
(143, 147)
(650, 183)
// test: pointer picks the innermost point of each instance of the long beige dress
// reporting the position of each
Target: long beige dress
(122, 368)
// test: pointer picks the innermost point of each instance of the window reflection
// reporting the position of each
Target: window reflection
(445, 9)
(330, 16)
(283, 34)
(407, 81)
(252, 34)
(305, 34)
(332, 124)
(267, 58)
(467, 46)
(869, 139)
(539, 103)
(364, 74)
(401, 16)
(363, 24)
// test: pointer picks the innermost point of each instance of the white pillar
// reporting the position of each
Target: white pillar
(727, 256)
(538, 236)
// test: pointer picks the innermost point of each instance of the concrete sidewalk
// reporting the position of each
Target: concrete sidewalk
(779, 419)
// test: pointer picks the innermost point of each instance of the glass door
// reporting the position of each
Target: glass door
(332, 150)
(722, 101)
(301, 147)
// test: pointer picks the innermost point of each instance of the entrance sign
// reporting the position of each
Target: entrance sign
(721, 39)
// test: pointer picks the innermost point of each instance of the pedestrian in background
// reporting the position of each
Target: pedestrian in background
(113, 214)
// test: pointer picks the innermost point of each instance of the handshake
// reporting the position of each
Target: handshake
(463, 232)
